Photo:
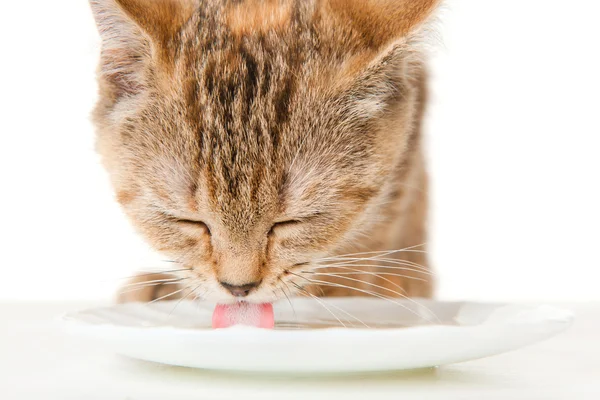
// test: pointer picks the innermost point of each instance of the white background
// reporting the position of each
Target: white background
(513, 133)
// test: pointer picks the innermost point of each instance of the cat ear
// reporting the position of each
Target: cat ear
(378, 37)
(132, 33)
(378, 23)
(377, 86)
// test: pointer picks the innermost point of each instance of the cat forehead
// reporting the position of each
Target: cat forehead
(232, 76)
(258, 16)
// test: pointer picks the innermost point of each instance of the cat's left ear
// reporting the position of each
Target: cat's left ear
(159, 19)
(134, 33)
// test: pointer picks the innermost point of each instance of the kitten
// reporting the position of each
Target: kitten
(254, 141)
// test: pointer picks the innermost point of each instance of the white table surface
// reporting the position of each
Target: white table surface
(39, 362)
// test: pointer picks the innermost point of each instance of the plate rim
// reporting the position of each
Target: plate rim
(549, 315)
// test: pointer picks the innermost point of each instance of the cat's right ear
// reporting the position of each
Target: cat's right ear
(136, 34)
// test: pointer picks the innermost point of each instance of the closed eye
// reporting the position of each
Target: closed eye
(284, 224)
(192, 223)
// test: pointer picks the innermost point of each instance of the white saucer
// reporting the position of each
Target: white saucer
(402, 334)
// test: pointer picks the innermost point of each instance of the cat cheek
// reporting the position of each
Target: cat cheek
(188, 247)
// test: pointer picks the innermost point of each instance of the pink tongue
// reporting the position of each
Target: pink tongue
(242, 313)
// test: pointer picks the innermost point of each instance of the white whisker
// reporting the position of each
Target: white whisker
(349, 261)
(321, 303)
(380, 296)
(372, 266)
(381, 287)
(305, 278)
(169, 295)
(361, 281)
(148, 273)
(287, 297)
(387, 252)
(376, 274)
(183, 298)
(154, 282)
(340, 309)
(140, 287)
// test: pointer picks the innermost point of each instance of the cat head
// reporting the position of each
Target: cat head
(248, 138)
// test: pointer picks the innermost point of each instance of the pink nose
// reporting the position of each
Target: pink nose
(240, 290)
